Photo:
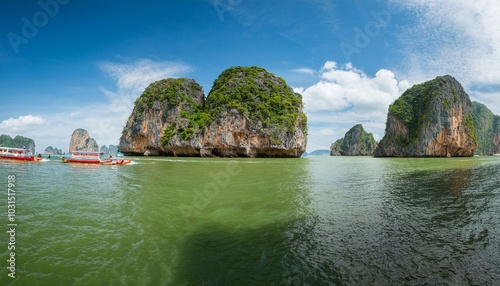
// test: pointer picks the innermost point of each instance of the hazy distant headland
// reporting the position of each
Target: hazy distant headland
(17, 142)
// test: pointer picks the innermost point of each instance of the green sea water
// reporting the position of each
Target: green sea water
(307, 221)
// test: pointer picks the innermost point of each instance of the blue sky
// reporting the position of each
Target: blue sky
(67, 64)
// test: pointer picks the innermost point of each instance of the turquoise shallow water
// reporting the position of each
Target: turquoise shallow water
(308, 221)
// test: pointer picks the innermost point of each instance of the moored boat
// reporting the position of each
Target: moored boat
(20, 154)
(93, 158)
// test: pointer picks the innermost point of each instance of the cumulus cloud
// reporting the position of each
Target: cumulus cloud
(456, 37)
(346, 87)
(22, 123)
(345, 96)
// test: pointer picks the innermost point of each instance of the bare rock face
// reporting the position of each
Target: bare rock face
(248, 113)
(430, 119)
(81, 141)
(164, 120)
(336, 147)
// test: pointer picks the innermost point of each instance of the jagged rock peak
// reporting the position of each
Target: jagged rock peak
(430, 119)
(81, 141)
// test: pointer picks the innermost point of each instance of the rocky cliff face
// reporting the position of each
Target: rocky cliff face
(17, 142)
(81, 141)
(496, 134)
(336, 147)
(487, 129)
(356, 142)
(165, 120)
(248, 113)
(430, 119)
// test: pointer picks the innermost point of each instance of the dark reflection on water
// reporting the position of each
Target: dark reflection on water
(437, 228)
(320, 221)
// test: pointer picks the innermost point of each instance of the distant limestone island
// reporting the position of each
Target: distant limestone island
(356, 142)
(248, 113)
(438, 119)
(320, 152)
(81, 141)
(17, 142)
(53, 151)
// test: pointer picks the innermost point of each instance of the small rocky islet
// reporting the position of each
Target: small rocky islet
(356, 142)
(249, 112)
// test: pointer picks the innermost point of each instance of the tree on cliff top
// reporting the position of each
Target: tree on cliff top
(259, 95)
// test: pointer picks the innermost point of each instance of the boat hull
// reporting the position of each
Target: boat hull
(69, 160)
(18, 158)
(102, 162)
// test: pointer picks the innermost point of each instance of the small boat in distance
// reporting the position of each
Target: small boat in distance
(93, 158)
(21, 154)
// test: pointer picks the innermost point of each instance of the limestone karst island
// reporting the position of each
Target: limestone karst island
(432, 119)
(248, 113)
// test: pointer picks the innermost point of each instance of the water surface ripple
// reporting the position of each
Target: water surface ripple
(308, 221)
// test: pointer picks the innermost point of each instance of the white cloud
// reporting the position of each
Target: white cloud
(346, 87)
(456, 37)
(304, 71)
(345, 96)
(23, 123)
(132, 79)
(104, 119)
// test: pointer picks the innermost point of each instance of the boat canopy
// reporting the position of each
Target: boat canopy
(86, 153)
(15, 150)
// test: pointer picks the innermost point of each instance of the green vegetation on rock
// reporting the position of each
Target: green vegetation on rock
(486, 126)
(172, 90)
(356, 142)
(245, 103)
(261, 96)
(430, 119)
(412, 106)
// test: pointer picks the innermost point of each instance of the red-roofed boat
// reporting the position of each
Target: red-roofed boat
(20, 154)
